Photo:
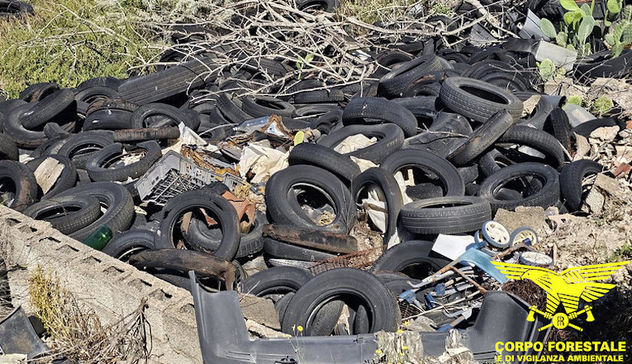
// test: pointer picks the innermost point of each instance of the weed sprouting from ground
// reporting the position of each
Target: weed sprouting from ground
(77, 332)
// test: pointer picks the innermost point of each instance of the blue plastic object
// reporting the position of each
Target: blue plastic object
(482, 261)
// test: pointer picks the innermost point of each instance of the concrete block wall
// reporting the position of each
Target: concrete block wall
(112, 288)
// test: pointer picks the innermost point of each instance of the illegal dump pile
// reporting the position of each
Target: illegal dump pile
(291, 146)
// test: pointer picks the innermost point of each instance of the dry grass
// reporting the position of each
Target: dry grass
(5, 291)
(76, 331)
(70, 41)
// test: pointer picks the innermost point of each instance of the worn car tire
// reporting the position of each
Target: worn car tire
(547, 196)
(80, 147)
(445, 215)
(390, 138)
(537, 139)
(99, 171)
(283, 209)
(8, 148)
(410, 255)
(478, 100)
(385, 182)
(274, 282)
(482, 138)
(571, 178)
(260, 106)
(416, 158)
(362, 288)
(371, 110)
(23, 181)
(221, 209)
(129, 242)
(117, 201)
(326, 158)
(73, 212)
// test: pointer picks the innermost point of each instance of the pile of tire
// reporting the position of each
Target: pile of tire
(447, 123)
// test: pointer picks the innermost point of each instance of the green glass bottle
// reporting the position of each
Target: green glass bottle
(99, 238)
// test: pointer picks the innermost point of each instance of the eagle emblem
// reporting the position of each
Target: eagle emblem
(565, 288)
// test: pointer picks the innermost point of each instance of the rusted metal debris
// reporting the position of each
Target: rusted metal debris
(133, 135)
(186, 260)
(310, 238)
(361, 259)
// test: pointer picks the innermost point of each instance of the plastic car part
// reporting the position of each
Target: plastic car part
(17, 336)
(218, 314)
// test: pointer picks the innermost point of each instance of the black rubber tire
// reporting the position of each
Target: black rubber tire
(500, 74)
(265, 106)
(423, 107)
(15, 8)
(492, 161)
(129, 242)
(282, 250)
(410, 253)
(95, 140)
(325, 158)
(313, 110)
(22, 137)
(282, 209)
(66, 180)
(311, 5)
(390, 138)
(571, 178)
(164, 84)
(8, 148)
(231, 110)
(459, 94)
(24, 183)
(482, 138)
(584, 129)
(383, 180)
(319, 97)
(537, 139)
(76, 213)
(249, 243)
(548, 195)
(276, 281)
(50, 147)
(559, 126)
(371, 110)
(367, 291)
(117, 200)
(47, 109)
(98, 172)
(445, 215)
(205, 198)
(109, 82)
(38, 91)
(396, 82)
(252, 242)
(172, 117)
(89, 95)
(446, 172)
(327, 121)
(109, 114)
